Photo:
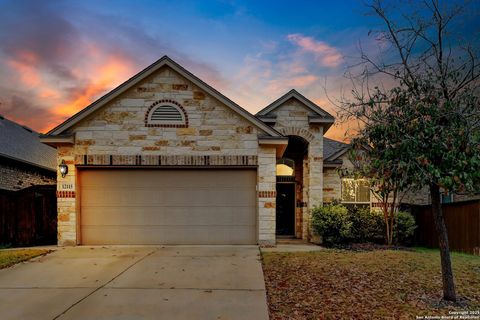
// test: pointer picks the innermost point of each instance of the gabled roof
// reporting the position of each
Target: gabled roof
(23, 144)
(322, 114)
(333, 150)
(164, 61)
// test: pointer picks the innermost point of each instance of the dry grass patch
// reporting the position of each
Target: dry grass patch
(333, 284)
(9, 257)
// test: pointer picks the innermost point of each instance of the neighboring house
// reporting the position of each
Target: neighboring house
(422, 197)
(24, 160)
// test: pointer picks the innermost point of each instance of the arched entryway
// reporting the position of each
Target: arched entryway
(290, 188)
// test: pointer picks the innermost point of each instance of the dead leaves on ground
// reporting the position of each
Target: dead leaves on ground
(383, 284)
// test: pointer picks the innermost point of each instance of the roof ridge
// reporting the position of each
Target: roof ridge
(165, 60)
(293, 93)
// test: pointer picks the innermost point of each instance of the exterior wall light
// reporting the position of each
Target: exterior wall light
(63, 168)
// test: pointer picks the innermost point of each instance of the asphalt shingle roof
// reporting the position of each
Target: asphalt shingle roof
(23, 144)
(331, 147)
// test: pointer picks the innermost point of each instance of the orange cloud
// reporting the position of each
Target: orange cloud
(327, 55)
(342, 130)
(105, 76)
(25, 65)
(101, 72)
(280, 86)
(27, 68)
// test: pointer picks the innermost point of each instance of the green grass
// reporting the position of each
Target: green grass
(452, 253)
(9, 257)
(331, 284)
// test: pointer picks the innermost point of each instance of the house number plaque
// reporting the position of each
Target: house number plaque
(66, 186)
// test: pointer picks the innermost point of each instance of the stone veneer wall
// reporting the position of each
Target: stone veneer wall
(419, 197)
(67, 222)
(118, 129)
(465, 197)
(332, 186)
(299, 201)
(332, 189)
(266, 195)
(422, 197)
(292, 119)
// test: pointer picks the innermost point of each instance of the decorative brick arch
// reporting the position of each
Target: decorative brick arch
(167, 102)
(293, 131)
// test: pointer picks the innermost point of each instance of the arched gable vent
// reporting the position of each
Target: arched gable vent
(166, 113)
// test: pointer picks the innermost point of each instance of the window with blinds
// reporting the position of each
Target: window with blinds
(355, 190)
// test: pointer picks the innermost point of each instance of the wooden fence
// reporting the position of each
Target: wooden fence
(463, 225)
(29, 216)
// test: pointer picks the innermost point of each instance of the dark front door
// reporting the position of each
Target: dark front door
(285, 209)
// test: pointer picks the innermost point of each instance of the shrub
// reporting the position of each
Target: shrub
(405, 228)
(338, 225)
(367, 226)
(332, 223)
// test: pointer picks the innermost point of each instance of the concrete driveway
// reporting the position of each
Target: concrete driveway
(120, 282)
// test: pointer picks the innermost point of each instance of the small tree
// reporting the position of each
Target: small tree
(427, 126)
(386, 178)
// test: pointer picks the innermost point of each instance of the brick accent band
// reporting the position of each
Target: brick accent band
(267, 194)
(295, 131)
(65, 194)
(380, 205)
(161, 160)
(301, 204)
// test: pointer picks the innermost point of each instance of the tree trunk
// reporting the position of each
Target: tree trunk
(392, 216)
(447, 274)
(385, 218)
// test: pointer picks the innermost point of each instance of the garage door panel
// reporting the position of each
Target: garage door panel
(169, 216)
(124, 196)
(168, 206)
(182, 178)
(170, 235)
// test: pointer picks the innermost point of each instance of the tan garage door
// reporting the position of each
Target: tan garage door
(168, 206)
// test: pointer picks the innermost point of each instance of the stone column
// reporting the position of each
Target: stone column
(306, 198)
(67, 220)
(267, 194)
(315, 179)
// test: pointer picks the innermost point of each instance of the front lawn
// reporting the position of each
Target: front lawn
(9, 257)
(392, 284)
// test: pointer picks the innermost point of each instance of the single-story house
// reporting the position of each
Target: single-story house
(167, 159)
(24, 160)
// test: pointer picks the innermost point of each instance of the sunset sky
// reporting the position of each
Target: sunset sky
(56, 57)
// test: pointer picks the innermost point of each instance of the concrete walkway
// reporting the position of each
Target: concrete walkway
(307, 247)
(171, 282)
